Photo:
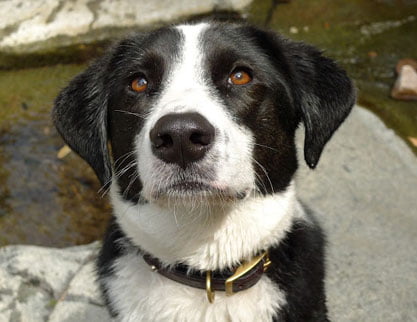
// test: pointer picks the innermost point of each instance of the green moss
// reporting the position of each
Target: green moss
(260, 11)
(51, 304)
(49, 57)
(26, 93)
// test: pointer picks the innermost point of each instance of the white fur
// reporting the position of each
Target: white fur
(208, 238)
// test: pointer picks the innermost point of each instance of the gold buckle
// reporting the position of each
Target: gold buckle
(244, 268)
(210, 293)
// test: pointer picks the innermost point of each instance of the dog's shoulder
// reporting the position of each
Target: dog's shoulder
(299, 269)
(115, 244)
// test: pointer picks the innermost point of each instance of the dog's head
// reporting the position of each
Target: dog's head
(204, 110)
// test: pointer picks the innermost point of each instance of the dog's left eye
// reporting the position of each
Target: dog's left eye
(240, 77)
(139, 84)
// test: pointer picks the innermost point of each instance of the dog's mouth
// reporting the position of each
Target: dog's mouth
(198, 190)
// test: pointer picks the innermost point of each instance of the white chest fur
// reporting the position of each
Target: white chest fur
(208, 241)
(139, 294)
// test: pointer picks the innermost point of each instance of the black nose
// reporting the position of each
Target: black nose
(181, 138)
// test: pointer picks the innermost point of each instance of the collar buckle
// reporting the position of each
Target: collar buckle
(244, 269)
(209, 290)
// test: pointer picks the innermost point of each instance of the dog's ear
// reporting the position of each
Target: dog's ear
(80, 114)
(323, 95)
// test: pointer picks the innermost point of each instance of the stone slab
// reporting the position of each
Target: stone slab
(34, 281)
(364, 191)
(31, 26)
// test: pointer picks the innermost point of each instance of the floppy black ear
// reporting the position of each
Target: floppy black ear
(80, 114)
(325, 96)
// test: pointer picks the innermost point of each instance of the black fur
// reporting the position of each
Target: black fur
(292, 83)
(80, 116)
(299, 271)
(114, 246)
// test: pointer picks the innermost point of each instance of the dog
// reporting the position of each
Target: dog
(191, 128)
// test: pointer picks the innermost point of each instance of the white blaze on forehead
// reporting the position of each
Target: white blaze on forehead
(189, 70)
(186, 89)
(189, 88)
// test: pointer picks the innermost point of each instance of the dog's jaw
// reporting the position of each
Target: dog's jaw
(204, 236)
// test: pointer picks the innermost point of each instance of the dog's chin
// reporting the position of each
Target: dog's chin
(200, 192)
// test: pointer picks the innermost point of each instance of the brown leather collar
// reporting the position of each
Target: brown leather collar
(242, 278)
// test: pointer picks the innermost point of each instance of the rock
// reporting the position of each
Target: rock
(293, 30)
(32, 26)
(37, 284)
(79, 312)
(413, 140)
(364, 193)
(63, 152)
(405, 87)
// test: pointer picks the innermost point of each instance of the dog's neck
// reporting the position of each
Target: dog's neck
(204, 236)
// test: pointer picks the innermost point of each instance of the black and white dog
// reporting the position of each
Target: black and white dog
(192, 128)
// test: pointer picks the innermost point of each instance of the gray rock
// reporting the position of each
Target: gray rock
(405, 87)
(82, 300)
(36, 282)
(364, 194)
(30, 26)
(364, 191)
(70, 311)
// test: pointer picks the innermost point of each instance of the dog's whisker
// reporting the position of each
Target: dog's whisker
(130, 185)
(121, 159)
(127, 167)
(265, 146)
(258, 179)
(266, 174)
(104, 190)
(132, 113)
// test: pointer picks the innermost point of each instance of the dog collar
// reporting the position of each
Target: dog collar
(229, 281)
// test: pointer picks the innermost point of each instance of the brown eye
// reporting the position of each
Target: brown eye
(239, 77)
(139, 84)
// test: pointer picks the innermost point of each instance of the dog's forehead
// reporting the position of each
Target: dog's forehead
(198, 43)
(177, 40)
(188, 67)
(186, 85)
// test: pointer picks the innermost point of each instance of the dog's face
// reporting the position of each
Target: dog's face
(205, 111)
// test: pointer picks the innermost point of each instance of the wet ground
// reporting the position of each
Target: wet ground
(46, 200)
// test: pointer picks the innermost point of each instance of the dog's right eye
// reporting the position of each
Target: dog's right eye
(239, 77)
(139, 84)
